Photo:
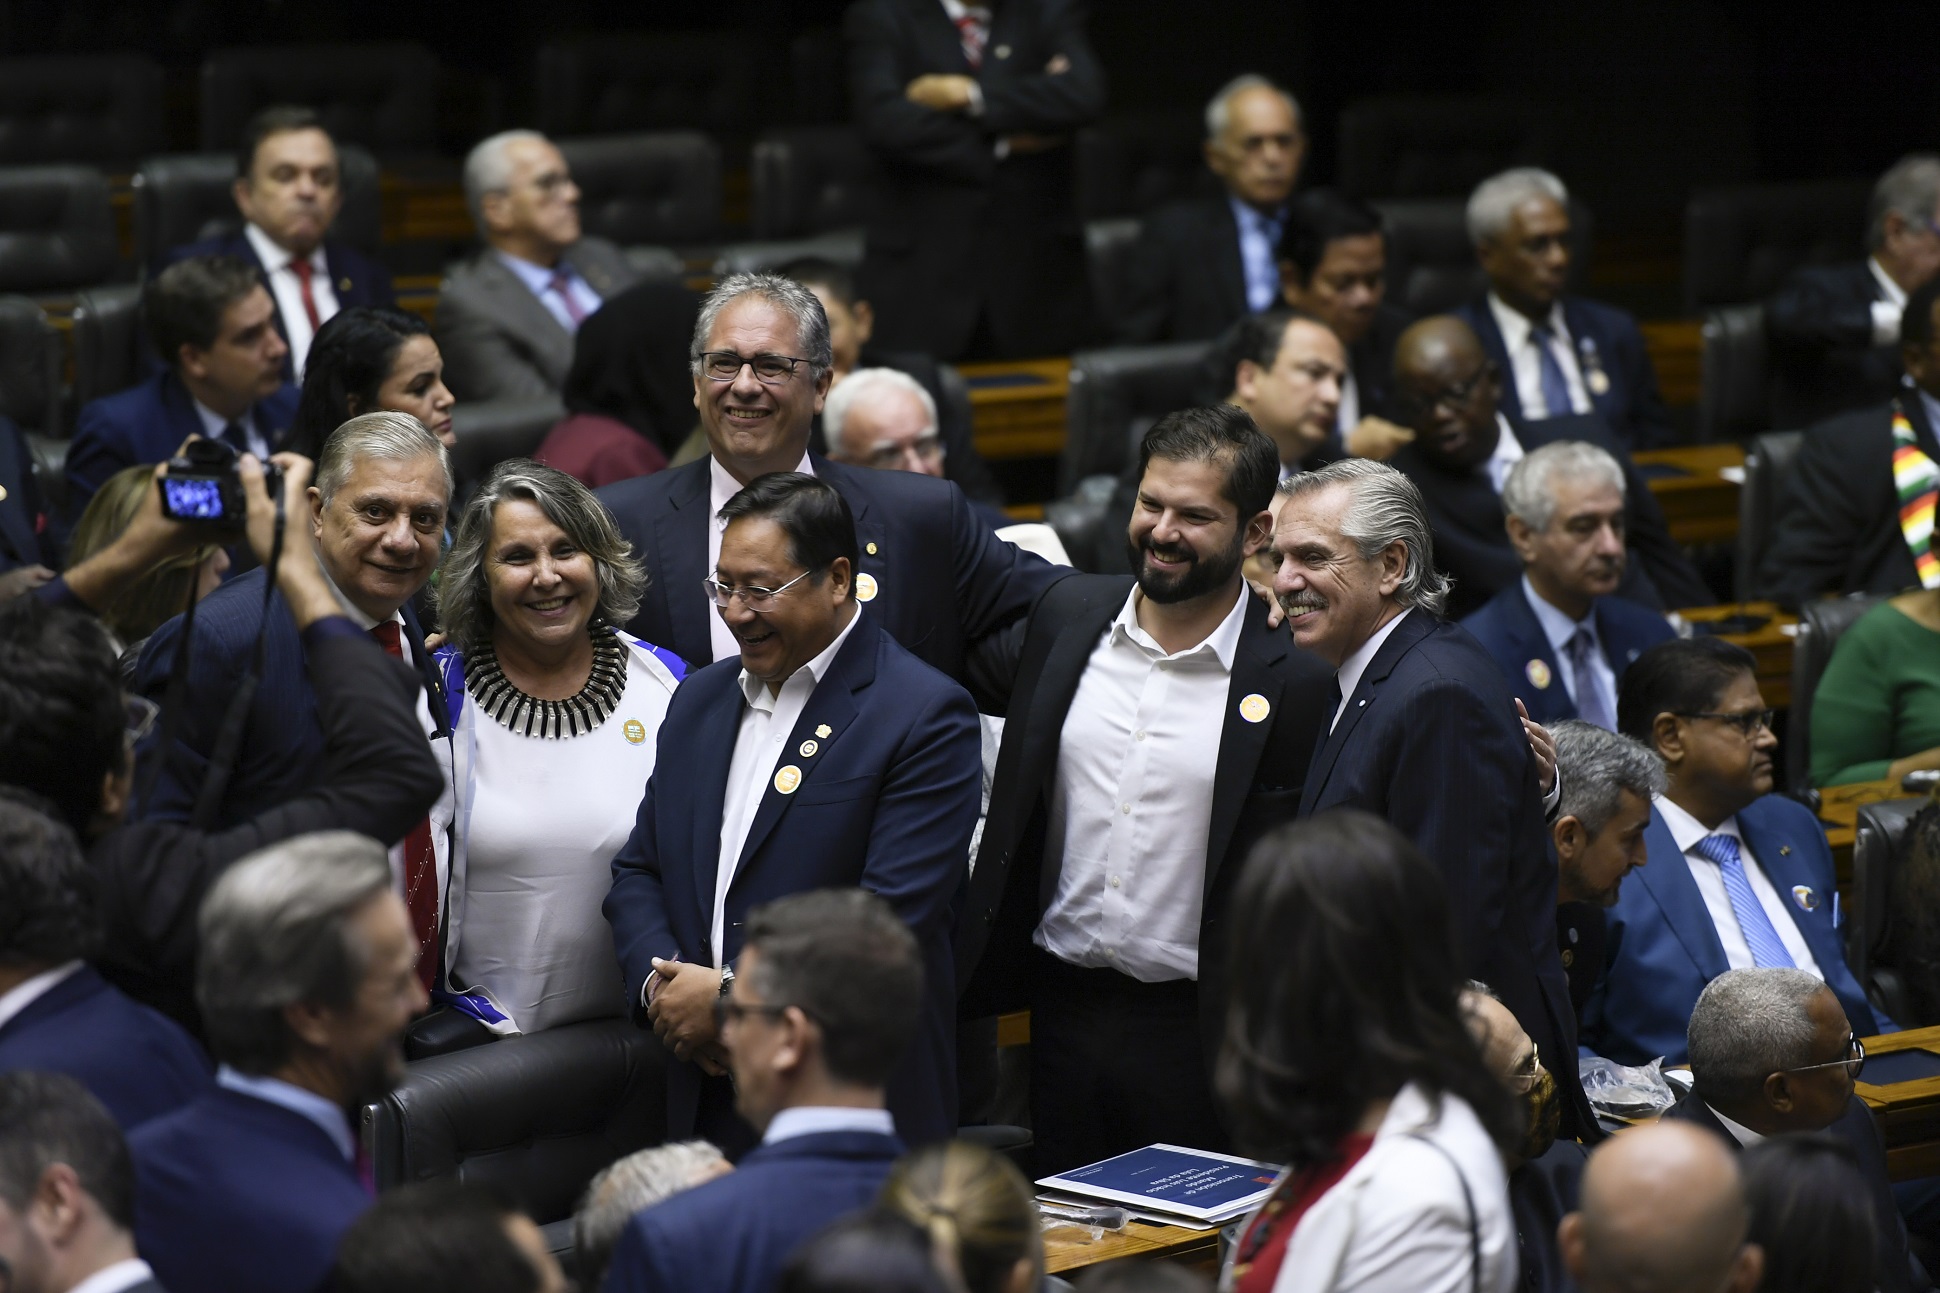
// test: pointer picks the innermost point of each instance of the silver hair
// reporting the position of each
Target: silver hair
(1496, 198)
(1595, 766)
(786, 295)
(1748, 1025)
(638, 1181)
(274, 932)
(856, 386)
(1219, 112)
(1911, 190)
(488, 169)
(464, 590)
(384, 435)
(1527, 493)
(1384, 508)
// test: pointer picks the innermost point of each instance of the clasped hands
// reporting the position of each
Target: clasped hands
(952, 92)
(681, 1009)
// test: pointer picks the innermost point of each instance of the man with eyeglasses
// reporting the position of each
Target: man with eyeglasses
(1736, 877)
(883, 419)
(1773, 1054)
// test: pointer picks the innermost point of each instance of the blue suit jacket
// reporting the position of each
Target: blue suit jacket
(1607, 341)
(1662, 947)
(735, 1233)
(239, 1194)
(25, 537)
(887, 801)
(1509, 631)
(136, 1061)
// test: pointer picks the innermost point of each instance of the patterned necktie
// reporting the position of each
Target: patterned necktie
(973, 31)
(303, 269)
(1556, 388)
(1591, 706)
(1767, 949)
(420, 856)
(1917, 482)
(562, 279)
(236, 436)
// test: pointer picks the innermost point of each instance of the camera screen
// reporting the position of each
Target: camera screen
(192, 499)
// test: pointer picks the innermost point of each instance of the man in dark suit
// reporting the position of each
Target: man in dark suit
(831, 988)
(1170, 695)
(1201, 265)
(1560, 635)
(214, 324)
(507, 317)
(289, 189)
(1772, 1054)
(1425, 735)
(1839, 528)
(307, 979)
(66, 1192)
(974, 249)
(1562, 354)
(826, 755)
(932, 574)
(1450, 393)
(27, 555)
(1737, 876)
(1834, 330)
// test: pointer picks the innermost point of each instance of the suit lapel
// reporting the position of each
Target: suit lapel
(713, 757)
(876, 555)
(1592, 356)
(1241, 742)
(1531, 644)
(1620, 648)
(1788, 874)
(1418, 625)
(1668, 878)
(1230, 271)
(524, 313)
(680, 535)
(183, 420)
(1483, 320)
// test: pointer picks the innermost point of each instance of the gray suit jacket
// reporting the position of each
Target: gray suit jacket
(498, 339)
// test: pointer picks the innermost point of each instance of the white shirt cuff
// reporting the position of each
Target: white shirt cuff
(1886, 323)
(976, 100)
(1554, 799)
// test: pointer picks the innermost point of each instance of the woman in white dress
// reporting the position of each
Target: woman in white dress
(555, 711)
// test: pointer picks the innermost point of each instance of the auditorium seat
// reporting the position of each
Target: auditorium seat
(650, 188)
(615, 82)
(1768, 465)
(1108, 261)
(1431, 262)
(383, 96)
(185, 197)
(491, 431)
(1128, 165)
(1428, 146)
(1116, 394)
(57, 230)
(1735, 382)
(30, 390)
(111, 350)
(103, 110)
(1821, 624)
(1879, 841)
(807, 180)
(1740, 242)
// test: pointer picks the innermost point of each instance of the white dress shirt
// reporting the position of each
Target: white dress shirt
(215, 427)
(287, 288)
(115, 1278)
(26, 992)
(1133, 799)
(1687, 831)
(1890, 306)
(1348, 676)
(1508, 452)
(1559, 629)
(766, 725)
(1525, 365)
(722, 487)
(1259, 252)
(297, 1100)
(1349, 414)
(820, 1119)
(539, 281)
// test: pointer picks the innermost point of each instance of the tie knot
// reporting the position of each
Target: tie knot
(302, 268)
(1722, 849)
(1540, 334)
(389, 638)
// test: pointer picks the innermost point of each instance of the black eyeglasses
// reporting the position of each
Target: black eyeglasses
(727, 1010)
(1854, 1061)
(1412, 404)
(769, 370)
(1747, 722)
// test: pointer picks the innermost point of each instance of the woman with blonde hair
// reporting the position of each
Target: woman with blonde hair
(978, 1211)
(145, 604)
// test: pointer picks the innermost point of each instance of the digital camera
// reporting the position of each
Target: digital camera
(204, 487)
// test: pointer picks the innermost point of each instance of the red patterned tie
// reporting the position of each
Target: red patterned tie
(973, 30)
(420, 856)
(303, 269)
(562, 283)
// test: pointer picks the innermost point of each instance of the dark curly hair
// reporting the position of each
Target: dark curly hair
(349, 362)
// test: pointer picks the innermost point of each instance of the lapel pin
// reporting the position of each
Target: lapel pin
(870, 549)
(1569, 958)
(3, 493)
(865, 587)
(1597, 382)
(1785, 850)
(1254, 708)
(809, 748)
(1538, 673)
(635, 731)
(787, 779)
(1805, 898)
(343, 285)
(823, 731)
(1002, 51)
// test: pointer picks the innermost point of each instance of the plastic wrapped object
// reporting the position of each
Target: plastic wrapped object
(1626, 1094)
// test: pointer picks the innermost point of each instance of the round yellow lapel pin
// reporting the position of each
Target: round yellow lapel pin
(865, 587)
(787, 779)
(1538, 672)
(635, 732)
(1254, 708)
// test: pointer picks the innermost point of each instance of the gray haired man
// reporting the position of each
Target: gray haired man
(1607, 782)
(633, 1184)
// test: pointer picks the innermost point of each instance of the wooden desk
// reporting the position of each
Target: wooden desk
(1699, 503)
(1770, 644)
(1067, 1249)
(1839, 808)
(1017, 409)
(1908, 1113)
(1676, 349)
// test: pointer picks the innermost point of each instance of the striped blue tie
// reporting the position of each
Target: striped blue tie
(1767, 949)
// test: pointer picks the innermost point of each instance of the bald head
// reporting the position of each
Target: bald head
(1447, 390)
(1436, 341)
(1662, 1211)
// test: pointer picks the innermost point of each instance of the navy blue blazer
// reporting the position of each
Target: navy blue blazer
(887, 800)
(282, 748)
(145, 424)
(1662, 948)
(735, 1233)
(26, 537)
(1430, 742)
(1607, 341)
(1509, 631)
(943, 579)
(136, 1061)
(239, 1194)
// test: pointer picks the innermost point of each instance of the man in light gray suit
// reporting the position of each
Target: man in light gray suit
(506, 319)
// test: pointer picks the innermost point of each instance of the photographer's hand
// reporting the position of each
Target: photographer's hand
(298, 576)
(149, 538)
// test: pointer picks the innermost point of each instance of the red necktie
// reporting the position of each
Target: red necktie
(973, 29)
(562, 279)
(420, 857)
(303, 269)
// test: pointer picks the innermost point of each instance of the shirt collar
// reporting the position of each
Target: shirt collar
(721, 484)
(1221, 643)
(351, 610)
(113, 1279)
(1351, 669)
(297, 1100)
(1688, 830)
(757, 691)
(1251, 217)
(213, 423)
(1515, 325)
(1744, 1135)
(1557, 627)
(275, 256)
(537, 278)
(1892, 293)
(28, 991)
(815, 1120)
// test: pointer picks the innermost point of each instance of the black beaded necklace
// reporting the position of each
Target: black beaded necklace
(527, 715)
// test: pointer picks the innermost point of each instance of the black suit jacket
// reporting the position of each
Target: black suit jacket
(1541, 1193)
(1256, 784)
(1472, 540)
(1897, 1270)
(1185, 281)
(26, 534)
(958, 234)
(1838, 516)
(1371, 360)
(1608, 341)
(1820, 328)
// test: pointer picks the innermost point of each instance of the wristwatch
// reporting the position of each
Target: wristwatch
(727, 978)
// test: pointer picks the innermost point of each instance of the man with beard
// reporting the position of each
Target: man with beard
(306, 978)
(1156, 728)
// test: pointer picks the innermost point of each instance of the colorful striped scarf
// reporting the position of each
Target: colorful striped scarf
(1917, 481)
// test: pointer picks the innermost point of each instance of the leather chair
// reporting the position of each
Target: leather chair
(1821, 624)
(809, 180)
(181, 198)
(1115, 396)
(30, 391)
(1129, 165)
(1109, 247)
(111, 347)
(1431, 262)
(1879, 839)
(383, 96)
(843, 246)
(57, 229)
(101, 109)
(1735, 381)
(491, 431)
(1741, 242)
(1427, 146)
(653, 81)
(660, 188)
(1768, 465)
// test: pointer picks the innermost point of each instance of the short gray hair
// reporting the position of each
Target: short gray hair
(274, 932)
(786, 295)
(857, 386)
(488, 169)
(639, 1180)
(1526, 494)
(1496, 198)
(1748, 1025)
(464, 593)
(384, 435)
(1595, 766)
(1219, 111)
(1384, 507)
(1911, 190)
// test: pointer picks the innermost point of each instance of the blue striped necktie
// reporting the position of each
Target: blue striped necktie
(1556, 387)
(1767, 949)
